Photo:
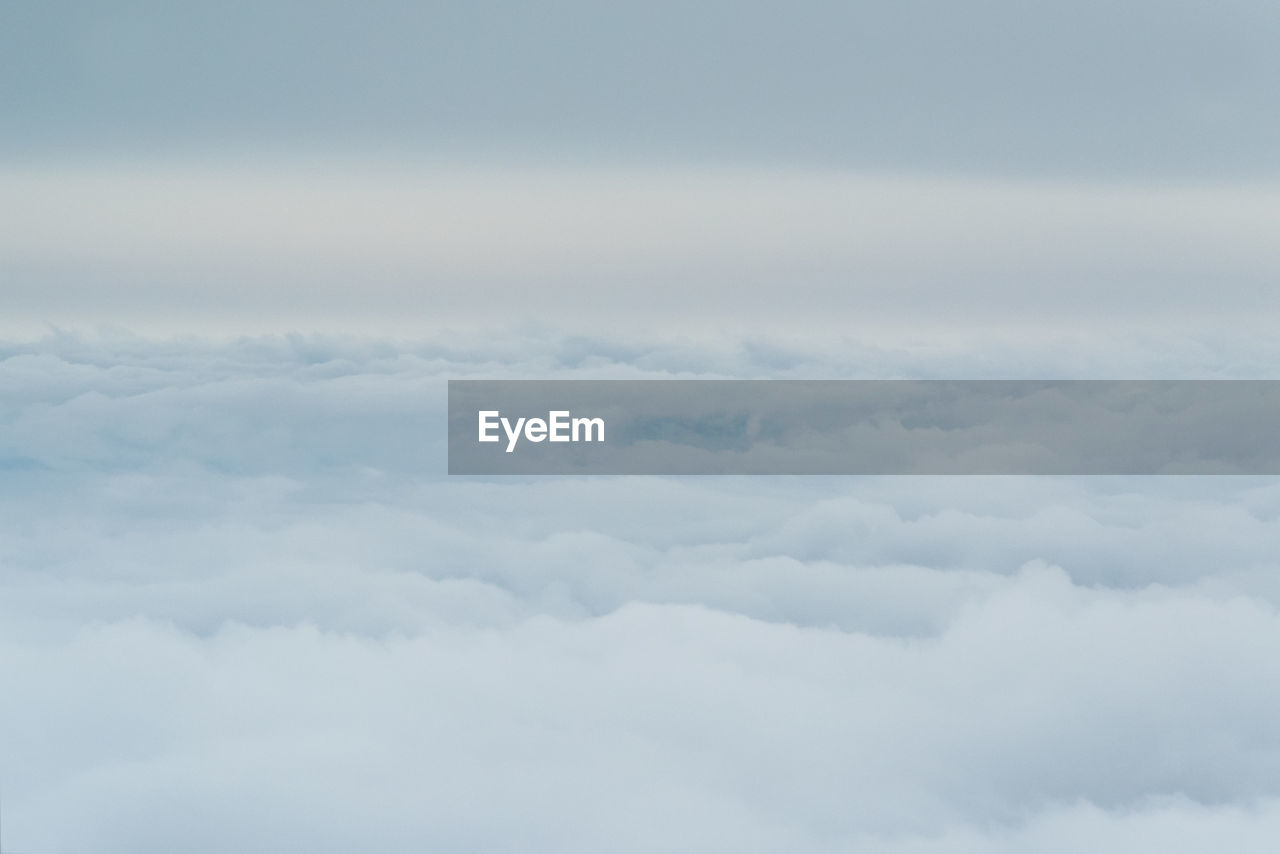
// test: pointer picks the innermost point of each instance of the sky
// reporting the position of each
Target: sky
(243, 247)
(1131, 89)
(400, 168)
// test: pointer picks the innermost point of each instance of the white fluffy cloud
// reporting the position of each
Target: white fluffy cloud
(242, 609)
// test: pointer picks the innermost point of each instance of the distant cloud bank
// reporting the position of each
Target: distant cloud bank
(409, 249)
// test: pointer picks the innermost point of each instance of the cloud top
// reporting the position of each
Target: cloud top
(242, 608)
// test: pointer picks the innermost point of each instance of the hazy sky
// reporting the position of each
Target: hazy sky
(399, 167)
(1119, 89)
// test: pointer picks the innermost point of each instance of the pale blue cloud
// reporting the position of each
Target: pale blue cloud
(241, 607)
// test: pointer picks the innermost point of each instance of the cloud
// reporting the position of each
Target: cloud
(243, 609)
(653, 725)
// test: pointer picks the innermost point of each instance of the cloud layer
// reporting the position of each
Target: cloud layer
(243, 610)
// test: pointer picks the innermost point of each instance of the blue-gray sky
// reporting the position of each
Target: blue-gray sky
(1151, 89)
(405, 166)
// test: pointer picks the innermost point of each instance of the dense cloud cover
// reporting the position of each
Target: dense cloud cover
(241, 608)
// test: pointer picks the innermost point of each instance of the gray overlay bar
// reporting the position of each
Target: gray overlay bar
(681, 427)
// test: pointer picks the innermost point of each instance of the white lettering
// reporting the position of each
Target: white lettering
(513, 436)
(559, 425)
(587, 424)
(486, 424)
